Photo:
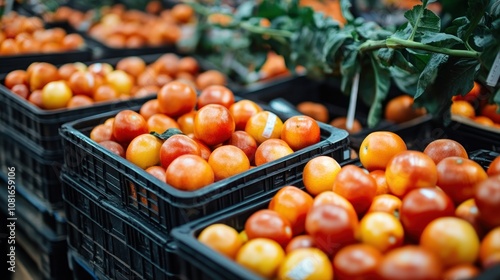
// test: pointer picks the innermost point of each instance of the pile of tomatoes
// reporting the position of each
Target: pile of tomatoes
(385, 220)
(76, 84)
(191, 141)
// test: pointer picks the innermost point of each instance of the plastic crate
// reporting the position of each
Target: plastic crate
(116, 243)
(38, 174)
(328, 94)
(81, 269)
(167, 207)
(484, 157)
(46, 247)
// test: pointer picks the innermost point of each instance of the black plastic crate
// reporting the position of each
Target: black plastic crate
(167, 207)
(38, 175)
(484, 157)
(328, 94)
(43, 244)
(117, 243)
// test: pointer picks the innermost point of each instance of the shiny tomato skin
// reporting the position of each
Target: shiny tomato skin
(128, 125)
(357, 261)
(332, 227)
(487, 198)
(292, 203)
(269, 224)
(421, 206)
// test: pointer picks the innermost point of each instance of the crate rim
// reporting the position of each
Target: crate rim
(69, 128)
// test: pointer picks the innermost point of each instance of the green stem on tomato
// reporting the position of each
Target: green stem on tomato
(395, 43)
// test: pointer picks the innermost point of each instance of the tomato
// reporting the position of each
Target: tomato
(21, 90)
(452, 239)
(216, 94)
(386, 203)
(270, 150)
(56, 95)
(262, 256)
(319, 174)
(410, 262)
(356, 186)
(300, 132)
(16, 77)
(242, 111)
(186, 122)
(332, 227)
(381, 230)
(227, 161)
(245, 142)
(356, 261)
(489, 251)
(468, 211)
(128, 125)
(379, 176)
(306, 263)
(189, 173)
(101, 133)
(158, 172)
(159, 123)
(494, 168)
(269, 224)
(175, 146)
(144, 151)
(222, 238)
(213, 124)
(176, 99)
(487, 197)
(461, 271)
(114, 147)
(421, 206)
(300, 241)
(293, 204)
(457, 177)
(409, 170)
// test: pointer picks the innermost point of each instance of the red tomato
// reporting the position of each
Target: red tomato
(356, 261)
(387, 203)
(468, 211)
(410, 262)
(332, 227)
(293, 204)
(270, 224)
(128, 125)
(421, 206)
(175, 146)
(487, 197)
(300, 241)
(356, 186)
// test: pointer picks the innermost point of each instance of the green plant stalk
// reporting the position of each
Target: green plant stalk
(395, 43)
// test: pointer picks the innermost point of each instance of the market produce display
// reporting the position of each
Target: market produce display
(363, 225)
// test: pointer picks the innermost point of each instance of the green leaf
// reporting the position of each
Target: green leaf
(348, 68)
(427, 2)
(423, 20)
(403, 32)
(429, 74)
(406, 81)
(458, 27)
(442, 40)
(345, 6)
(167, 134)
(245, 10)
(332, 45)
(372, 31)
(475, 12)
(495, 8)
(382, 82)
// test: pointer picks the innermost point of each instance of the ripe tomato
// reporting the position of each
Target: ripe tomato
(242, 111)
(494, 168)
(149, 108)
(387, 203)
(457, 177)
(262, 256)
(487, 198)
(421, 206)
(175, 146)
(452, 239)
(300, 241)
(314, 110)
(379, 176)
(356, 186)
(461, 271)
(227, 161)
(189, 173)
(270, 150)
(357, 261)
(306, 263)
(186, 122)
(293, 204)
(319, 174)
(332, 227)
(120, 81)
(378, 148)
(245, 142)
(101, 133)
(222, 238)
(213, 124)
(83, 83)
(329, 197)
(113, 146)
(409, 170)
(158, 172)
(381, 230)
(56, 95)
(144, 151)
(489, 251)
(263, 126)
(208, 78)
(269, 224)
(300, 132)
(159, 123)
(216, 94)
(443, 148)
(410, 262)
(21, 90)
(468, 211)
(176, 98)
(16, 77)
(128, 125)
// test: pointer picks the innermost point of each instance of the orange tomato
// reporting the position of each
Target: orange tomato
(387, 203)
(269, 224)
(216, 94)
(293, 204)
(56, 95)
(300, 132)
(245, 142)
(468, 211)
(379, 176)
(242, 111)
(443, 148)
(175, 146)
(314, 110)
(489, 251)
(494, 168)
(409, 170)
(378, 148)
(189, 173)
(319, 174)
(160, 123)
(381, 230)
(222, 238)
(227, 161)
(462, 108)
(487, 198)
(144, 151)
(262, 256)
(357, 261)
(298, 242)
(318, 265)
(263, 126)
(176, 98)
(213, 124)
(271, 150)
(208, 78)
(401, 109)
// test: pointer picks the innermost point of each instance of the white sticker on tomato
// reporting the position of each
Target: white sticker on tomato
(271, 122)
